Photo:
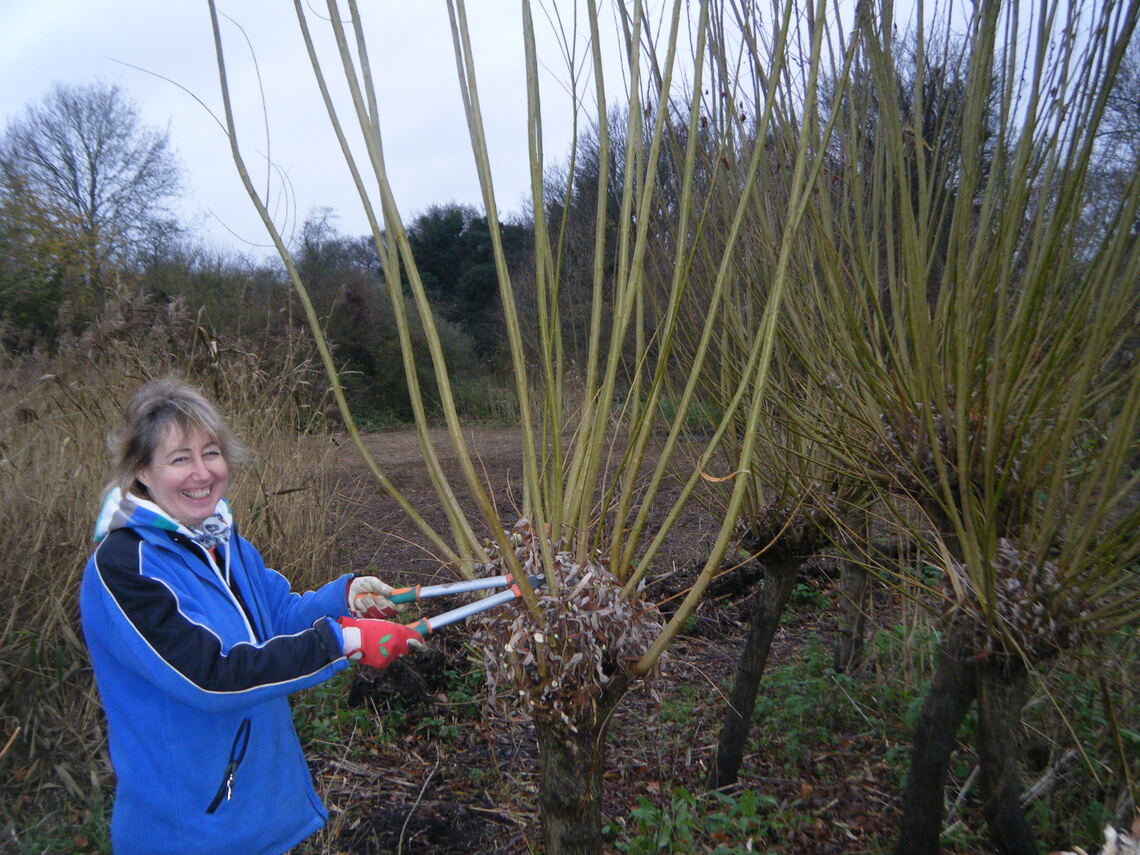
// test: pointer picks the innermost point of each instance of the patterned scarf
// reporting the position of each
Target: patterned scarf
(118, 511)
(215, 529)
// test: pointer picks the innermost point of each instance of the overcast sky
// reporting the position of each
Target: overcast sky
(425, 135)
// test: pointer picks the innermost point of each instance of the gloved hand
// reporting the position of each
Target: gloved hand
(368, 598)
(377, 643)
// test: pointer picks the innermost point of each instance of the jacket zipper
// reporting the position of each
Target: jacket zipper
(246, 617)
(237, 754)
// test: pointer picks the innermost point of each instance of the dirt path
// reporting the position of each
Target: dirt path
(380, 535)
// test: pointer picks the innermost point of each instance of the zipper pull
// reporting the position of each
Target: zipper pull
(237, 754)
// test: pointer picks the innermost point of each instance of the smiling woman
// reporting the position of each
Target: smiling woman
(173, 446)
(187, 475)
(196, 645)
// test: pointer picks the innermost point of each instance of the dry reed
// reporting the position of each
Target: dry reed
(55, 413)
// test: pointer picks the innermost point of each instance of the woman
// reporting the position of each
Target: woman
(196, 645)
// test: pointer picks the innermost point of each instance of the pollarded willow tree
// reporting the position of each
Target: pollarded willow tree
(796, 498)
(586, 636)
(988, 351)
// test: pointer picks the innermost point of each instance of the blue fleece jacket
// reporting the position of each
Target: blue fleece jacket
(194, 675)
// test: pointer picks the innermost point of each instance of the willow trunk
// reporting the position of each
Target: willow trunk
(779, 579)
(570, 763)
(1003, 686)
(854, 581)
(951, 693)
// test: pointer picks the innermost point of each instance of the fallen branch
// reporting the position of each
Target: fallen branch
(1048, 778)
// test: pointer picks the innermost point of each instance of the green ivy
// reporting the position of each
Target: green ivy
(716, 823)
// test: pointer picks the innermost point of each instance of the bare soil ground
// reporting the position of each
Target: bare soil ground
(452, 782)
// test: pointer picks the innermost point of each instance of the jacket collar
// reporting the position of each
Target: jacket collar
(127, 510)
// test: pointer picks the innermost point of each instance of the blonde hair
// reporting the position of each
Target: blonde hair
(155, 408)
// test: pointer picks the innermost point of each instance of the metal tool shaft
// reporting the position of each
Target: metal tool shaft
(424, 592)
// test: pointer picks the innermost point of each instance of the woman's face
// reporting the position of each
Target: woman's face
(186, 476)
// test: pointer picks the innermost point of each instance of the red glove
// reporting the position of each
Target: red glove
(377, 643)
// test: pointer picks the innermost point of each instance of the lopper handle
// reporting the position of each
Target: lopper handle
(424, 592)
(405, 595)
(426, 626)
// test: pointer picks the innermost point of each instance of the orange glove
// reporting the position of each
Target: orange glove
(377, 643)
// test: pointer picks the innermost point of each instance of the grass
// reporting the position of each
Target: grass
(805, 707)
(84, 833)
(323, 715)
(480, 400)
(701, 416)
(809, 720)
(1069, 723)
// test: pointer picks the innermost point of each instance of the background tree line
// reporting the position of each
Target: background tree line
(86, 195)
(85, 215)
